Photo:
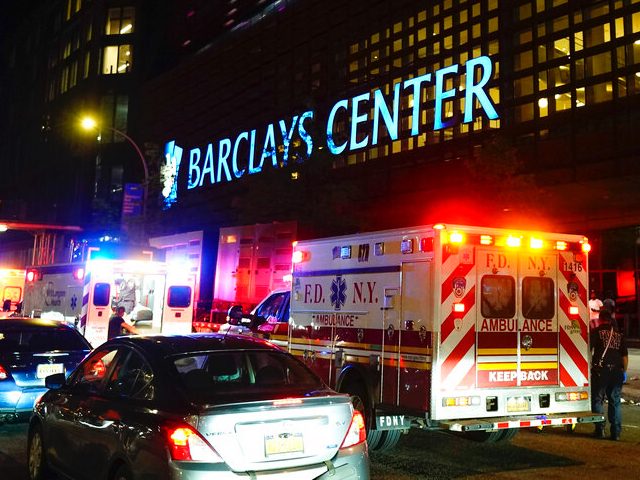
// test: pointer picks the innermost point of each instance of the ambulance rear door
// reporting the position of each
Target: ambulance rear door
(177, 315)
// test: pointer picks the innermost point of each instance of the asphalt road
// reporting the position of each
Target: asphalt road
(552, 453)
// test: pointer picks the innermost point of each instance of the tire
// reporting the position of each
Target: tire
(36, 461)
(484, 436)
(389, 440)
(122, 473)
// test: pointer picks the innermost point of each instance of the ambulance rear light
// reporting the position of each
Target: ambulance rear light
(486, 240)
(536, 243)
(572, 396)
(458, 307)
(586, 247)
(461, 401)
(573, 310)
(513, 241)
(426, 244)
(288, 278)
(32, 275)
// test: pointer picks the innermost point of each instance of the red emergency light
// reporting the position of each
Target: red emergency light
(78, 273)
(32, 275)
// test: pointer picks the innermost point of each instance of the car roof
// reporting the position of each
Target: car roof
(167, 345)
(33, 322)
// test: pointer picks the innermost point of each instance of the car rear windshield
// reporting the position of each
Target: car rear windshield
(209, 375)
(39, 339)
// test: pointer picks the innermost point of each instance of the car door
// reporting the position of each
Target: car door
(67, 438)
(121, 418)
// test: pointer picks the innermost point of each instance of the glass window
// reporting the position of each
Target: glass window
(116, 59)
(132, 378)
(120, 21)
(237, 374)
(563, 101)
(601, 92)
(94, 369)
(524, 112)
(179, 296)
(498, 296)
(598, 64)
(523, 86)
(40, 339)
(102, 294)
(524, 60)
(277, 305)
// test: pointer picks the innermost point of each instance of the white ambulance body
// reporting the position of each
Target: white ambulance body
(463, 328)
(157, 298)
(54, 291)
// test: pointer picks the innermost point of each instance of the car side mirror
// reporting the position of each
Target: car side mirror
(55, 381)
(234, 315)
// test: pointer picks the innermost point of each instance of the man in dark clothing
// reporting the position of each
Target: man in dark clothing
(117, 323)
(608, 367)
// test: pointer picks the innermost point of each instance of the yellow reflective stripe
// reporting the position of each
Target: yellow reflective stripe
(497, 351)
(538, 365)
(497, 366)
(540, 351)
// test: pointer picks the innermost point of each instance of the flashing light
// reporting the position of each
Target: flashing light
(78, 273)
(573, 310)
(571, 396)
(514, 241)
(3, 227)
(288, 278)
(459, 307)
(426, 244)
(456, 237)
(439, 226)
(586, 247)
(560, 245)
(486, 240)
(536, 243)
(31, 275)
(298, 256)
(3, 373)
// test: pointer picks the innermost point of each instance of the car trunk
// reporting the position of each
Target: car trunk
(274, 434)
(29, 369)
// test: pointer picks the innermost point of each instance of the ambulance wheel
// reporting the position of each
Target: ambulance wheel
(390, 439)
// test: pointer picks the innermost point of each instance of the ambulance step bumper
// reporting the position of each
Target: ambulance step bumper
(499, 423)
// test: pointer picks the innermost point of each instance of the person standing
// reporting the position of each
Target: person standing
(609, 362)
(595, 305)
(117, 323)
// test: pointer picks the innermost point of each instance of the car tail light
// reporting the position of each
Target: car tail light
(357, 432)
(3, 373)
(185, 444)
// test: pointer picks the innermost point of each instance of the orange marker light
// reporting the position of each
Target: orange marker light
(486, 240)
(298, 256)
(456, 237)
(560, 245)
(514, 241)
(536, 243)
(586, 247)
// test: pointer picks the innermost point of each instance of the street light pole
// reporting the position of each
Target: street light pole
(89, 123)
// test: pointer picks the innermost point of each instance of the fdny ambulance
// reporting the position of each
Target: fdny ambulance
(475, 330)
(157, 297)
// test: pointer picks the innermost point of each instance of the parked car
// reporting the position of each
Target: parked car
(30, 350)
(193, 407)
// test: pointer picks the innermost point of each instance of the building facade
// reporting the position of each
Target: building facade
(348, 116)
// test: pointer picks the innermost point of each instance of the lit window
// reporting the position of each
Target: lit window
(116, 59)
(120, 21)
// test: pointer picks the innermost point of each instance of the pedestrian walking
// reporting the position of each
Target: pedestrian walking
(609, 360)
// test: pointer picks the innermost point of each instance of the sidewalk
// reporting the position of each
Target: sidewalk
(631, 390)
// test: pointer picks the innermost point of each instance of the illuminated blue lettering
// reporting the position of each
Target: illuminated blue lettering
(380, 108)
(224, 150)
(169, 173)
(269, 149)
(304, 135)
(416, 83)
(252, 147)
(286, 137)
(472, 89)
(333, 148)
(441, 95)
(208, 166)
(194, 168)
(355, 120)
(238, 173)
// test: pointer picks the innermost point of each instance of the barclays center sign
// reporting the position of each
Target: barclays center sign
(252, 151)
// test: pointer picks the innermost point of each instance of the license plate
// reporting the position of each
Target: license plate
(518, 404)
(283, 443)
(46, 369)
